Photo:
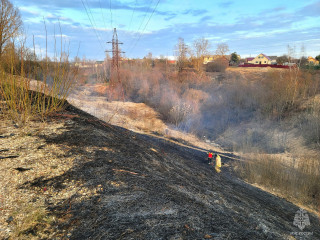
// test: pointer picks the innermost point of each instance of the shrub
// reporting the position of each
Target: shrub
(179, 112)
(27, 98)
(219, 65)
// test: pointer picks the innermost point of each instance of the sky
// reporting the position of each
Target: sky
(83, 27)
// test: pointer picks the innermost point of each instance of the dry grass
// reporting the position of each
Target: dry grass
(137, 117)
(34, 221)
(295, 179)
(134, 116)
(27, 209)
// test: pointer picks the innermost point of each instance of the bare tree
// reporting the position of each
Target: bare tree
(182, 51)
(148, 60)
(222, 49)
(201, 48)
(10, 23)
(282, 59)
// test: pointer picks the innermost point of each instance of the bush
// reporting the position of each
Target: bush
(27, 98)
(219, 65)
(179, 113)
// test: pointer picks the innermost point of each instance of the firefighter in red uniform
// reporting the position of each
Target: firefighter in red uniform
(210, 156)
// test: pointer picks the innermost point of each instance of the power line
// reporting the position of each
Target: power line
(92, 24)
(103, 17)
(145, 15)
(145, 26)
(132, 43)
(135, 6)
(151, 15)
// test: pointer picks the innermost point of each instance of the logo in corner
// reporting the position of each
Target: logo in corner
(301, 219)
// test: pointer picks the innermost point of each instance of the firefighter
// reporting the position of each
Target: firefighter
(218, 162)
(210, 156)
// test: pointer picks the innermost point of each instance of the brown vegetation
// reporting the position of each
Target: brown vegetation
(20, 73)
(25, 78)
(296, 180)
(219, 65)
(260, 111)
(214, 104)
(88, 179)
(269, 112)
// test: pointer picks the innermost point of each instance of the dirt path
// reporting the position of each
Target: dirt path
(119, 184)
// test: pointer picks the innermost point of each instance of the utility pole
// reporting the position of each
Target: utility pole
(115, 74)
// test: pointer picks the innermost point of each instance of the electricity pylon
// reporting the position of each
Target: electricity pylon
(115, 74)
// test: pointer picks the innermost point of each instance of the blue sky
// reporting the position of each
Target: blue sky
(248, 27)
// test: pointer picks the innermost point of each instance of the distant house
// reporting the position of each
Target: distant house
(83, 64)
(208, 59)
(260, 59)
(313, 61)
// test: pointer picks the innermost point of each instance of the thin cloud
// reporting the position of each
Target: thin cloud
(279, 9)
(170, 17)
(26, 10)
(56, 17)
(195, 12)
(273, 11)
(226, 4)
(206, 18)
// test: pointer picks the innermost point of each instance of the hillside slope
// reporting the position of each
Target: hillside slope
(98, 181)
